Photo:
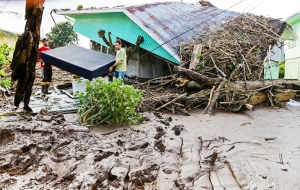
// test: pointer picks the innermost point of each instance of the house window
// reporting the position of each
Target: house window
(98, 47)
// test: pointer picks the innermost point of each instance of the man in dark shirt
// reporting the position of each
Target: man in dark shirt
(46, 68)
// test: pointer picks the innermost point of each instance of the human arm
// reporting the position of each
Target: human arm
(114, 65)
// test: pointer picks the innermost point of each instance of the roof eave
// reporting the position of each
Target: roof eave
(92, 11)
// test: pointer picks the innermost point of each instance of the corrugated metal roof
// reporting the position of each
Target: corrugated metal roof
(170, 21)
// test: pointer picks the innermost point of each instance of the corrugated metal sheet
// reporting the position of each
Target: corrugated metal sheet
(170, 21)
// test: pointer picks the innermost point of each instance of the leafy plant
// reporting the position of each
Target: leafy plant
(109, 101)
(5, 51)
(2, 73)
(5, 83)
(199, 56)
(281, 69)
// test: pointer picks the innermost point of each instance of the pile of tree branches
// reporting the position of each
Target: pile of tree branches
(223, 68)
(241, 46)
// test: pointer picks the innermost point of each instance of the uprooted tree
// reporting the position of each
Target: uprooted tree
(129, 50)
(25, 54)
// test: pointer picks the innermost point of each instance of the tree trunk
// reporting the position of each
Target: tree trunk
(201, 79)
(25, 54)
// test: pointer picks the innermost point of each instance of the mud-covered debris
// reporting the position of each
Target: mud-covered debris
(119, 142)
(134, 147)
(102, 155)
(147, 175)
(158, 145)
(158, 115)
(6, 136)
(159, 129)
(270, 139)
(146, 118)
(139, 146)
(170, 119)
(164, 122)
(145, 145)
(177, 129)
(160, 134)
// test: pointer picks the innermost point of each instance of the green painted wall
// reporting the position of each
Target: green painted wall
(292, 50)
(120, 26)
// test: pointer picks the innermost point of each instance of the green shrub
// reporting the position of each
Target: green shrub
(109, 101)
(5, 83)
(4, 54)
(2, 73)
(281, 69)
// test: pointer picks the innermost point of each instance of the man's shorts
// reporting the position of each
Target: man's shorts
(119, 74)
(47, 75)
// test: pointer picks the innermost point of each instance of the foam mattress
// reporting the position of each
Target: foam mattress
(83, 62)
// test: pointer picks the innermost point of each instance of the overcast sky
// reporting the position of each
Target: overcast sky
(272, 8)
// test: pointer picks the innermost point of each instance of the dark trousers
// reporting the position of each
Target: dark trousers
(47, 75)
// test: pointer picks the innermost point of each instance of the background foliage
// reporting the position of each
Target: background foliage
(62, 34)
(281, 69)
(111, 102)
(4, 61)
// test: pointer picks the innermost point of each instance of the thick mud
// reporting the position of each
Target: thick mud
(251, 150)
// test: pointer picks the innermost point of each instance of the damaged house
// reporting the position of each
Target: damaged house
(163, 27)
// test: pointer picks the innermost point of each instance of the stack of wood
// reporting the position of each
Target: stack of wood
(224, 68)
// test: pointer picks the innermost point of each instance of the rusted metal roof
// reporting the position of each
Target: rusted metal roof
(176, 22)
(168, 23)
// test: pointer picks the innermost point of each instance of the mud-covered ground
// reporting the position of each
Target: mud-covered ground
(255, 150)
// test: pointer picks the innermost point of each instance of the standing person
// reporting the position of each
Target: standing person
(120, 63)
(46, 68)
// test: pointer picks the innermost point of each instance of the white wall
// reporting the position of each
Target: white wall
(292, 48)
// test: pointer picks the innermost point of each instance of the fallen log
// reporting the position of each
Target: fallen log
(197, 77)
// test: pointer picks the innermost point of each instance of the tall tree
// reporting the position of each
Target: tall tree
(25, 54)
(62, 34)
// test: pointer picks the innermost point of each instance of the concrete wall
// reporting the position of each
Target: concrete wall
(11, 41)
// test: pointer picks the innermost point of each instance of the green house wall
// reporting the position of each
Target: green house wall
(292, 51)
(120, 26)
(293, 47)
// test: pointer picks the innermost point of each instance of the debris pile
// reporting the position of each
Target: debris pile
(225, 68)
(236, 51)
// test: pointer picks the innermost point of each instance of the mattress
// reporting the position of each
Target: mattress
(83, 62)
